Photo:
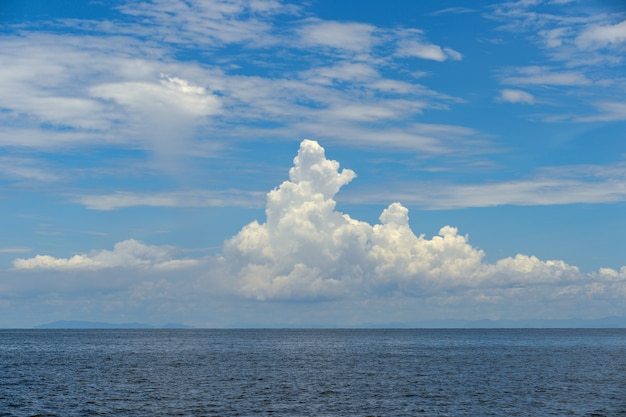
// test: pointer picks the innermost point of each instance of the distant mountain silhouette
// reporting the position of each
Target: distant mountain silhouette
(78, 324)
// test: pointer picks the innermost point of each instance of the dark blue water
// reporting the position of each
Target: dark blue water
(313, 372)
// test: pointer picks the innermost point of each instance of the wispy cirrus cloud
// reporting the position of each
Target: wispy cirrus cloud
(211, 23)
(453, 10)
(536, 75)
(195, 198)
(586, 48)
(607, 111)
(26, 169)
(431, 139)
(126, 87)
(582, 184)
(572, 35)
(15, 250)
(602, 36)
(344, 36)
(346, 71)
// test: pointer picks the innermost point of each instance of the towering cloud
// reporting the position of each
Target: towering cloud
(307, 249)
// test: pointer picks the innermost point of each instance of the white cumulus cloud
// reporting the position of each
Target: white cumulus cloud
(126, 254)
(308, 249)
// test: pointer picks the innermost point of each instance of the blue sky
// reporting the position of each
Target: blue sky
(260, 162)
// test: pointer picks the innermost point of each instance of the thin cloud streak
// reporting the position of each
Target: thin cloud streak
(194, 198)
(556, 186)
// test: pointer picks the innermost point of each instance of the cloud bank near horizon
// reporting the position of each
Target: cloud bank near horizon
(308, 250)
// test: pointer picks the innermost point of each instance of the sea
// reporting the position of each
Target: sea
(313, 372)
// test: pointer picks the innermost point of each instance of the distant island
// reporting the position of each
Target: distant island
(78, 324)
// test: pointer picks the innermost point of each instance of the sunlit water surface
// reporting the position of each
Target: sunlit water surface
(524, 372)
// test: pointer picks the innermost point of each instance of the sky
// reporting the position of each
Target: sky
(226, 163)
